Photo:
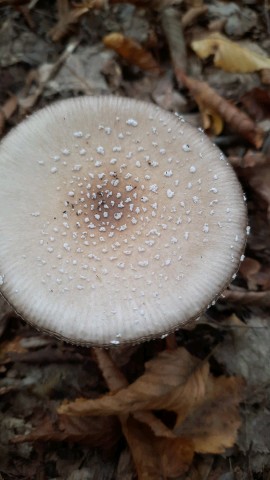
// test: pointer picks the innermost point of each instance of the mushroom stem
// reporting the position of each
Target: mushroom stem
(171, 343)
(112, 375)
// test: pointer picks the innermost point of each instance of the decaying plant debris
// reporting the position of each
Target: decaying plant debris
(195, 405)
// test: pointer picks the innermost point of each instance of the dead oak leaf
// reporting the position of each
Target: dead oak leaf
(172, 379)
(206, 407)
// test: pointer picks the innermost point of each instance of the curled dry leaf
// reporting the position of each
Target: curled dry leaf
(153, 455)
(178, 382)
(156, 458)
(228, 55)
(132, 51)
(115, 381)
(167, 382)
(207, 98)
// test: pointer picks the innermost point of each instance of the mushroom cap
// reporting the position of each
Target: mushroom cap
(119, 221)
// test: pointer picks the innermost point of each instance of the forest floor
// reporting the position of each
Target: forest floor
(210, 61)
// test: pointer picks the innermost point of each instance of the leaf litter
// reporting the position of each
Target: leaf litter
(197, 406)
(207, 417)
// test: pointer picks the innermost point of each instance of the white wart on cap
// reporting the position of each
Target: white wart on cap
(119, 221)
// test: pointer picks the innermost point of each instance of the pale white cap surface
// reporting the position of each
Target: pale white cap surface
(118, 222)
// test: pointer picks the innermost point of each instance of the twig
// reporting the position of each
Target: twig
(171, 23)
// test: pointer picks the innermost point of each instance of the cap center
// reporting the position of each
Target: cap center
(106, 201)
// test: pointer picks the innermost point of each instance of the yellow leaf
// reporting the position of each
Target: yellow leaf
(228, 55)
(212, 121)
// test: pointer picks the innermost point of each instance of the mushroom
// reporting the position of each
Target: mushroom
(119, 221)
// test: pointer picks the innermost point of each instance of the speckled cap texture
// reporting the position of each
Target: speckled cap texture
(119, 221)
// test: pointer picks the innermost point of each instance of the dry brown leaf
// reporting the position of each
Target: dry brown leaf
(156, 425)
(172, 379)
(228, 55)
(154, 457)
(116, 380)
(97, 432)
(132, 51)
(207, 98)
(206, 407)
(212, 426)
